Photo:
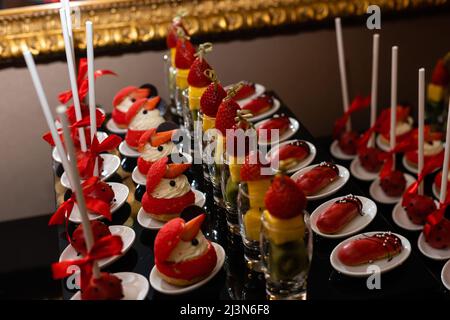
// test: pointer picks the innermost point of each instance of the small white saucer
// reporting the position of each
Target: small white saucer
(305, 162)
(364, 270)
(126, 233)
(147, 222)
(100, 136)
(259, 90)
(134, 285)
(445, 275)
(435, 191)
(336, 152)
(162, 286)
(378, 194)
(409, 167)
(121, 192)
(112, 127)
(333, 187)
(402, 220)
(430, 252)
(127, 151)
(138, 177)
(293, 128)
(369, 211)
(111, 164)
(268, 113)
(360, 173)
(382, 145)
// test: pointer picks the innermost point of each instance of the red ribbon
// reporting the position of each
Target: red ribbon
(402, 113)
(357, 104)
(405, 145)
(87, 163)
(83, 82)
(435, 217)
(94, 205)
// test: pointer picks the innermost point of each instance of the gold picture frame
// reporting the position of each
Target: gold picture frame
(127, 22)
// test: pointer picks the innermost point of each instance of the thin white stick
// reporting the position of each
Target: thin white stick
(65, 4)
(46, 110)
(342, 71)
(446, 160)
(421, 104)
(73, 77)
(91, 81)
(61, 110)
(374, 87)
(394, 68)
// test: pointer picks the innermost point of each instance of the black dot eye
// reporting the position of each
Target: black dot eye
(144, 112)
(194, 242)
(133, 100)
(160, 148)
(180, 139)
(172, 183)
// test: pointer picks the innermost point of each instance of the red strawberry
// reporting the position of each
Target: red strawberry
(196, 77)
(172, 34)
(348, 142)
(245, 91)
(393, 184)
(168, 238)
(418, 207)
(259, 104)
(281, 123)
(251, 169)
(439, 235)
(78, 242)
(106, 287)
(440, 74)
(102, 191)
(226, 114)
(212, 98)
(156, 173)
(297, 150)
(184, 56)
(285, 199)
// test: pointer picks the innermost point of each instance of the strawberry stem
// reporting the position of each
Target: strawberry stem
(203, 49)
(234, 90)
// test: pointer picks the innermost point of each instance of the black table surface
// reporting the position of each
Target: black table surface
(417, 277)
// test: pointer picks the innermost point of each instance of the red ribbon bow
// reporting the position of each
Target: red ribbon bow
(405, 145)
(402, 113)
(86, 163)
(92, 204)
(435, 217)
(83, 82)
(357, 104)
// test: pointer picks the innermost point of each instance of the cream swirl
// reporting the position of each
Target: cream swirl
(146, 119)
(172, 188)
(125, 104)
(150, 153)
(403, 127)
(186, 250)
(432, 148)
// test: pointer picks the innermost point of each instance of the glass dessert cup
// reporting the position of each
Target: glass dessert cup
(212, 156)
(170, 75)
(230, 178)
(286, 251)
(181, 85)
(190, 111)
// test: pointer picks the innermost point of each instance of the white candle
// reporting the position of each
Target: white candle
(61, 110)
(374, 87)
(394, 68)
(421, 112)
(91, 81)
(342, 71)
(72, 77)
(446, 160)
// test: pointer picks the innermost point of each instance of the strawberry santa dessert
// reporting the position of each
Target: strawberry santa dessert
(155, 144)
(432, 147)
(143, 115)
(168, 191)
(124, 99)
(183, 256)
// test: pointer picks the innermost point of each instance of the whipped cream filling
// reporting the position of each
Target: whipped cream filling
(403, 127)
(186, 250)
(150, 153)
(146, 119)
(172, 188)
(125, 104)
(432, 148)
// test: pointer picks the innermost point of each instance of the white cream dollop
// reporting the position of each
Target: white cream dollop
(403, 127)
(150, 153)
(185, 250)
(146, 119)
(164, 190)
(125, 104)
(432, 148)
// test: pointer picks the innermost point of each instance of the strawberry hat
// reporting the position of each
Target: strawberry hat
(162, 169)
(147, 104)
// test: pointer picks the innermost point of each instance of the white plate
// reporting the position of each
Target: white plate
(121, 192)
(369, 210)
(380, 144)
(100, 136)
(409, 167)
(112, 126)
(110, 165)
(127, 151)
(126, 233)
(445, 275)
(436, 194)
(147, 222)
(360, 173)
(162, 286)
(384, 265)
(378, 194)
(293, 128)
(259, 90)
(134, 285)
(138, 177)
(336, 152)
(333, 187)
(305, 162)
(271, 111)
(401, 219)
(430, 252)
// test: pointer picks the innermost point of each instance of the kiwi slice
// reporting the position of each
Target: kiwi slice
(288, 260)
(231, 191)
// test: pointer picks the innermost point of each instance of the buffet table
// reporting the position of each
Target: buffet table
(417, 277)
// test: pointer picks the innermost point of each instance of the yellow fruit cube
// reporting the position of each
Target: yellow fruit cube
(194, 97)
(252, 224)
(235, 164)
(280, 231)
(257, 191)
(173, 52)
(435, 92)
(208, 123)
(181, 78)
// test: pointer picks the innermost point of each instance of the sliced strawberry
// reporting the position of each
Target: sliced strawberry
(245, 91)
(184, 56)
(285, 199)
(196, 77)
(192, 227)
(226, 114)
(281, 123)
(212, 98)
(168, 238)
(259, 104)
(156, 173)
(297, 150)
